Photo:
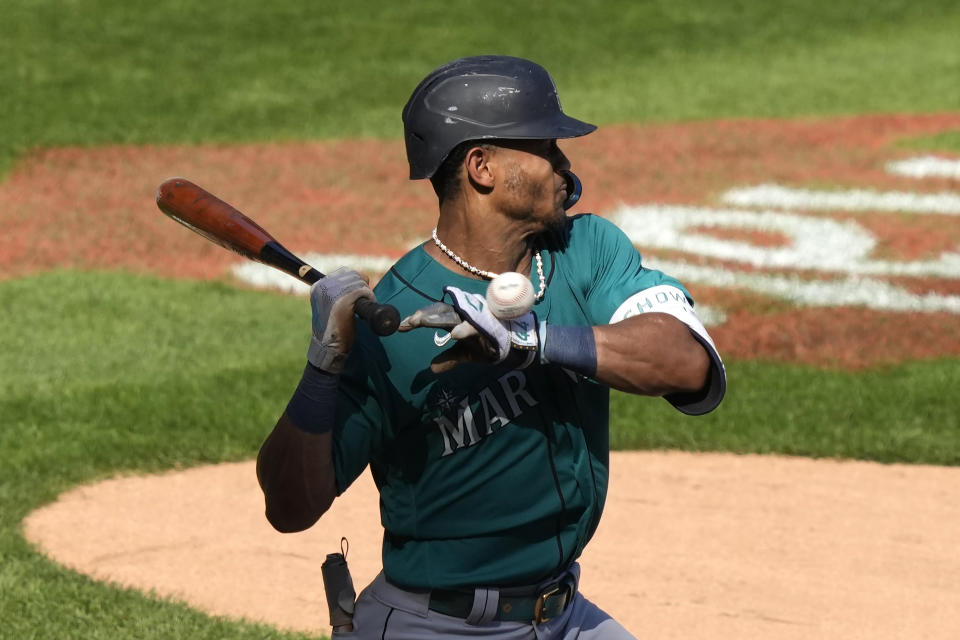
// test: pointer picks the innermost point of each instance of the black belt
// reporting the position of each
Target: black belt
(515, 605)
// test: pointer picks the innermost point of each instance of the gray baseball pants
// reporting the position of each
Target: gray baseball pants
(386, 612)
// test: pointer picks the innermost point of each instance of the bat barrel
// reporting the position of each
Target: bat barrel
(218, 221)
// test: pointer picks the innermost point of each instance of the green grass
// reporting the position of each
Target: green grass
(91, 72)
(797, 410)
(103, 373)
(948, 141)
(44, 601)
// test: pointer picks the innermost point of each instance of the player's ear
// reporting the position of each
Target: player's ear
(477, 166)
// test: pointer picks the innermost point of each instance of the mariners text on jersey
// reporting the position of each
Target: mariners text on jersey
(473, 418)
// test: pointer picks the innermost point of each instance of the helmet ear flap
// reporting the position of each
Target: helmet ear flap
(574, 189)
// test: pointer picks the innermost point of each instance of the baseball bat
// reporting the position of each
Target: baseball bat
(219, 222)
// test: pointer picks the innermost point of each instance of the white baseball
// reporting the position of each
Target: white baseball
(510, 295)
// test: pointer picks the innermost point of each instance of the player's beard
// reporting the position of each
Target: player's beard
(519, 184)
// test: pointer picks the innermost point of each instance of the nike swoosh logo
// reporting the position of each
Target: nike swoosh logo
(440, 340)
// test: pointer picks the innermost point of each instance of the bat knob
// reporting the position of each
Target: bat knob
(382, 318)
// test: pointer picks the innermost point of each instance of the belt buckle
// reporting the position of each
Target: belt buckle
(538, 612)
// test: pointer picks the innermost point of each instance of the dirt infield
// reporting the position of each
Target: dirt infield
(691, 546)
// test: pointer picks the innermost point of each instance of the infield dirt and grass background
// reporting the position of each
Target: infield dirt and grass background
(132, 347)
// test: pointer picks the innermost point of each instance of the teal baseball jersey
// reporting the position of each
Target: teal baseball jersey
(488, 474)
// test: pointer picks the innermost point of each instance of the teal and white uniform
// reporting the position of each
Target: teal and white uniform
(490, 475)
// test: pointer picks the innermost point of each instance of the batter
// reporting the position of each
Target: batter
(488, 439)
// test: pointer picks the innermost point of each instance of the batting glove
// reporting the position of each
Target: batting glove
(331, 300)
(500, 336)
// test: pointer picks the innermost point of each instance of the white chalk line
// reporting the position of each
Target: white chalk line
(780, 197)
(820, 244)
(926, 167)
(845, 292)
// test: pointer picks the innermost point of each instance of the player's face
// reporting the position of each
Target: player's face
(532, 186)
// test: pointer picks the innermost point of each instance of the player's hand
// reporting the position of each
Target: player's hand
(480, 336)
(499, 335)
(331, 300)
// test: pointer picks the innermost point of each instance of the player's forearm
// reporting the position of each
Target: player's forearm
(295, 465)
(295, 472)
(650, 354)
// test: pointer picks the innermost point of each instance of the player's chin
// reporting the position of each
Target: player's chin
(557, 222)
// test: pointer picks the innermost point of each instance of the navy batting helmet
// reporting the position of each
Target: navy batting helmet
(482, 97)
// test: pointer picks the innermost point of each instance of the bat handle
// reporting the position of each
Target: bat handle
(382, 318)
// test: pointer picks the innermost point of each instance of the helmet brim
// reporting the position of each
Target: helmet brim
(559, 127)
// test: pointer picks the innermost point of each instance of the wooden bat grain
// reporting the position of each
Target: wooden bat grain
(223, 224)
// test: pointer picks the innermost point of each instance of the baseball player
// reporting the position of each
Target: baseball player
(487, 439)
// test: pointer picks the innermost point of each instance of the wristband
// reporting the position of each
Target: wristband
(572, 347)
(313, 405)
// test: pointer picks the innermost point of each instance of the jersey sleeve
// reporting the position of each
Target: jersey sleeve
(622, 287)
(617, 271)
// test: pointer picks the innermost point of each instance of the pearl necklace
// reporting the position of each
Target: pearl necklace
(489, 275)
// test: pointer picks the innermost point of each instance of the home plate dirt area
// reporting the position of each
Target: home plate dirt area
(690, 546)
